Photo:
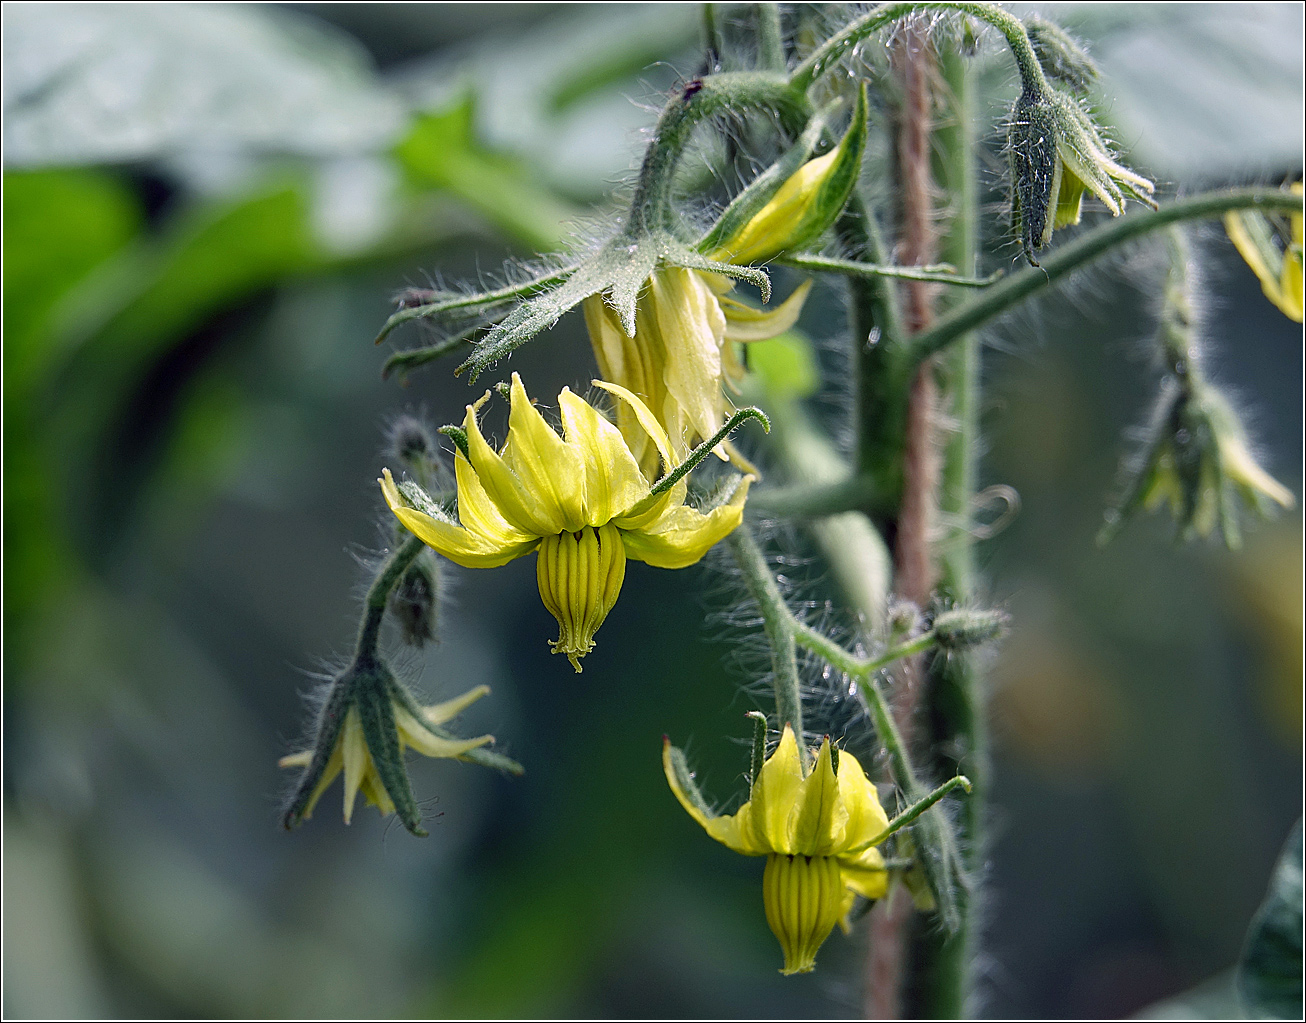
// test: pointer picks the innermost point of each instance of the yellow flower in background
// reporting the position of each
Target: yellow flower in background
(580, 499)
(1279, 269)
(350, 751)
(681, 354)
(817, 832)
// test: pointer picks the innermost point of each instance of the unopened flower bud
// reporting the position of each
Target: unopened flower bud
(1061, 57)
(414, 602)
(962, 627)
(1056, 154)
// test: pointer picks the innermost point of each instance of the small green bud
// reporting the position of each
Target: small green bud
(960, 628)
(903, 619)
(414, 602)
(1061, 57)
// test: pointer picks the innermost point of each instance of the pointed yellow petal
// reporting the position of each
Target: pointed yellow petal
(459, 545)
(866, 817)
(333, 766)
(478, 513)
(374, 792)
(301, 759)
(551, 470)
(645, 418)
(356, 757)
(515, 502)
(820, 814)
(613, 481)
(744, 323)
(420, 738)
(692, 327)
(439, 713)
(775, 797)
(729, 831)
(681, 536)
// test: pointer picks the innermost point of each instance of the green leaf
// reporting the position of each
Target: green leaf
(1270, 972)
(442, 152)
(112, 83)
(786, 365)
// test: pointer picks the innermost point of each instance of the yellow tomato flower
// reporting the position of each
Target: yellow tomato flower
(1279, 270)
(581, 500)
(681, 354)
(350, 749)
(817, 832)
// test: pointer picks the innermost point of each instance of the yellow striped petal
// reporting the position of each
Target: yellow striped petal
(551, 470)
(775, 797)
(439, 713)
(420, 738)
(865, 874)
(731, 831)
(866, 817)
(613, 481)
(820, 813)
(515, 502)
(459, 545)
(682, 535)
(744, 323)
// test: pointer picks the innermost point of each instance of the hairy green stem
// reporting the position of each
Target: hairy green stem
(369, 632)
(770, 38)
(1013, 290)
(778, 623)
(856, 493)
(942, 273)
(917, 808)
(948, 961)
(833, 49)
(736, 92)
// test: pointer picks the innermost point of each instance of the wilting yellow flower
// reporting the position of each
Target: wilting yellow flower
(1056, 155)
(817, 832)
(580, 499)
(1279, 271)
(681, 354)
(351, 753)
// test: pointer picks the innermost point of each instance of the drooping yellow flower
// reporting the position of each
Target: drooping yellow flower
(348, 746)
(1278, 269)
(1056, 155)
(817, 832)
(681, 355)
(581, 500)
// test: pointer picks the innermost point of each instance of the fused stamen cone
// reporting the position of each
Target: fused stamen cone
(580, 576)
(804, 899)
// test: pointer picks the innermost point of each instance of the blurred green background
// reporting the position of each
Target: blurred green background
(207, 211)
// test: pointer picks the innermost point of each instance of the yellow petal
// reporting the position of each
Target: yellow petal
(515, 502)
(744, 323)
(439, 713)
(682, 535)
(459, 545)
(818, 808)
(646, 420)
(551, 470)
(1239, 465)
(613, 481)
(726, 830)
(300, 759)
(775, 796)
(333, 766)
(477, 512)
(693, 327)
(420, 738)
(769, 230)
(865, 874)
(866, 817)
(357, 759)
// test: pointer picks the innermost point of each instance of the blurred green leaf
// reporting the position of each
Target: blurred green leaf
(786, 365)
(102, 83)
(1270, 973)
(442, 152)
(59, 225)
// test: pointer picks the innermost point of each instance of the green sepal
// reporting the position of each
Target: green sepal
(758, 757)
(459, 437)
(376, 714)
(1035, 170)
(1269, 977)
(330, 720)
(685, 779)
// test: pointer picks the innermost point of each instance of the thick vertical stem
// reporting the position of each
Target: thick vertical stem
(913, 557)
(947, 991)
